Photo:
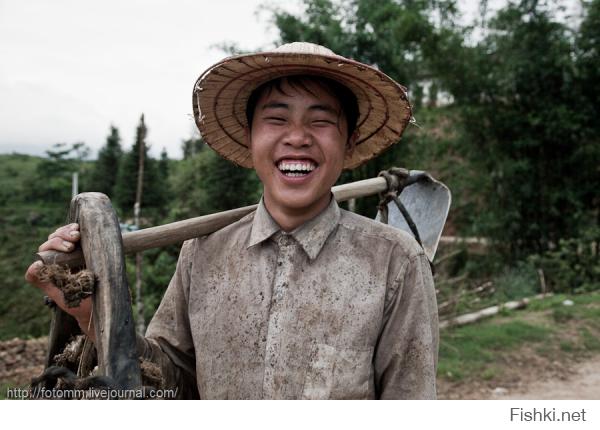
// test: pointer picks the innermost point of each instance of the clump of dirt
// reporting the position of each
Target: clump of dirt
(151, 374)
(21, 359)
(75, 286)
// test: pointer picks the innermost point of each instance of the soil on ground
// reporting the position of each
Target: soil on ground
(21, 360)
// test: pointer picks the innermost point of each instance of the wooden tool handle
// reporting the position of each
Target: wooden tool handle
(179, 231)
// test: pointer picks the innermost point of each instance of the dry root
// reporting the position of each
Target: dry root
(71, 355)
(75, 286)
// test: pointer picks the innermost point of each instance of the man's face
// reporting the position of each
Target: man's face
(298, 143)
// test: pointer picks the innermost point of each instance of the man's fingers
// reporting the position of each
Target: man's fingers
(57, 244)
(81, 313)
(31, 275)
(63, 239)
(68, 232)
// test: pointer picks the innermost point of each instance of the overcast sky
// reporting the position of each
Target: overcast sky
(71, 68)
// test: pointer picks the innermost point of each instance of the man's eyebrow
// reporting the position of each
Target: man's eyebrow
(324, 108)
(275, 105)
(315, 107)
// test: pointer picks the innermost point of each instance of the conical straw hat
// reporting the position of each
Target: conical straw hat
(221, 94)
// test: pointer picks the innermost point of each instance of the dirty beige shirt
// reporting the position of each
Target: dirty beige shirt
(343, 307)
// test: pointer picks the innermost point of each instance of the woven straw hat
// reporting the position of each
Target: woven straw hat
(221, 94)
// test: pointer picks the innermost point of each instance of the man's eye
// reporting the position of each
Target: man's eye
(323, 122)
(275, 119)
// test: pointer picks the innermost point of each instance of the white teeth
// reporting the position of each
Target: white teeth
(296, 167)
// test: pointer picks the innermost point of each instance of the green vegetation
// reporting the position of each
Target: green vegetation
(469, 350)
(108, 157)
(548, 326)
(4, 387)
(25, 225)
(573, 266)
(35, 197)
(155, 191)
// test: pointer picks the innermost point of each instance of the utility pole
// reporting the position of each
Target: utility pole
(75, 184)
(141, 136)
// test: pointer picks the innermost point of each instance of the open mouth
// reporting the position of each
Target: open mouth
(296, 168)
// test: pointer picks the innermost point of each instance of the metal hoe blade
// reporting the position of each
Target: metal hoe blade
(427, 202)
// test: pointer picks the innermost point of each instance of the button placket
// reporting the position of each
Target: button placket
(283, 269)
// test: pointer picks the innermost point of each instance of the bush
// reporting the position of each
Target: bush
(517, 282)
(573, 266)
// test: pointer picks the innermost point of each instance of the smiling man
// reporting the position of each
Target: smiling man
(300, 299)
(299, 134)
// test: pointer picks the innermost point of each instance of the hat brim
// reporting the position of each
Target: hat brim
(221, 93)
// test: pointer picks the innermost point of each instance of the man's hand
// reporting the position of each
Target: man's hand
(63, 239)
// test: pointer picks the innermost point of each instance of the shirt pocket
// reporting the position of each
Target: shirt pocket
(336, 373)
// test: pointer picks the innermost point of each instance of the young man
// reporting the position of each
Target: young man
(299, 299)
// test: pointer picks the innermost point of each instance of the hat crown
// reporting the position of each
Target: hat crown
(305, 48)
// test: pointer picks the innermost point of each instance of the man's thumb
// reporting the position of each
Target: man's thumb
(31, 275)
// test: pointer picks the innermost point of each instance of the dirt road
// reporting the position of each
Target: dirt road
(582, 384)
(527, 377)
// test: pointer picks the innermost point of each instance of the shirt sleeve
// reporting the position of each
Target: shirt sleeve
(406, 354)
(168, 340)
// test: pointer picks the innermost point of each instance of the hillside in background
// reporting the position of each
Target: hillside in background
(25, 225)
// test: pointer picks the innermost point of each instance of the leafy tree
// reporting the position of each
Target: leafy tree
(163, 165)
(53, 179)
(207, 183)
(104, 173)
(192, 146)
(399, 37)
(516, 108)
(587, 154)
(154, 195)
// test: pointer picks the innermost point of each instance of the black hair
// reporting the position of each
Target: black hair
(346, 98)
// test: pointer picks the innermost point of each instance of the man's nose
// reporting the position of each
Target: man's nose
(298, 136)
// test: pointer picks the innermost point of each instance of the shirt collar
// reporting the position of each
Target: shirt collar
(311, 235)
(263, 225)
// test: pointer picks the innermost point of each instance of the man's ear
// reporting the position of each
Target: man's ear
(352, 143)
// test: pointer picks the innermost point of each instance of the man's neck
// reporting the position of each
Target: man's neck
(289, 219)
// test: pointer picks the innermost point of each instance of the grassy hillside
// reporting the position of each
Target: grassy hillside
(31, 209)
(25, 224)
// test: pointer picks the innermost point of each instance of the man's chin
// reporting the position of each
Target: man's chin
(299, 202)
